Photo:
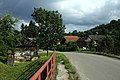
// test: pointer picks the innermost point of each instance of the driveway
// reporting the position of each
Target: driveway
(94, 67)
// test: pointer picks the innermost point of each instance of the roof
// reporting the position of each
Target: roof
(28, 42)
(71, 38)
(86, 39)
(96, 37)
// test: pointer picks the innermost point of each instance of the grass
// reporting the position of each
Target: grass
(102, 53)
(71, 71)
(22, 71)
(8, 72)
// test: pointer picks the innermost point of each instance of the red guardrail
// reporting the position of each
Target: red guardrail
(46, 71)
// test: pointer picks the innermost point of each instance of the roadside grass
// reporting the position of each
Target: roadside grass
(11, 72)
(24, 70)
(71, 71)
(102, 53)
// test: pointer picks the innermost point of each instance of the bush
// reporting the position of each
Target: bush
(3, 59)
(69, 46)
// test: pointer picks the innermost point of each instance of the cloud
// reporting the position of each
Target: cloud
(18, 24)
(76, 14)
(104, 14)
(18, 8)
(101, 15)
(72, 27)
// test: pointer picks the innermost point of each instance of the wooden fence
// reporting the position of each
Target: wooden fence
(46, 71)
(115, 51)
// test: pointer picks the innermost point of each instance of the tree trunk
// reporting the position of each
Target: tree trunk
(11, 56)
(37, 50)
(47, 50)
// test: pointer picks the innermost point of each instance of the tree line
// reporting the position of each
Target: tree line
(111, 31)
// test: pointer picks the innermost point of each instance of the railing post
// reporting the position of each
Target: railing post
(47, 72)
(39, 77)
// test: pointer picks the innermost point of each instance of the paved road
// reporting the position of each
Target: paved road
(95, 67)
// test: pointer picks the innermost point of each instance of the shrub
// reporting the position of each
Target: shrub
(69, 46)
(3, 59)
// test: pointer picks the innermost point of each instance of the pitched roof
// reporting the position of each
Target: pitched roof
(28, 42)
(71, 38)
(96, 37)
(86, 39)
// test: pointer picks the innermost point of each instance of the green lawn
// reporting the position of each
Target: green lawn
(22, 71)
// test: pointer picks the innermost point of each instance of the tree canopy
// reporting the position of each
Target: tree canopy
(8, 35)
(48, 27)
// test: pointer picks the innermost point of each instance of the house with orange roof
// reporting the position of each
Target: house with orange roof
(69, 39)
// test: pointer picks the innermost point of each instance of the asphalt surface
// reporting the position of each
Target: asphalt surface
(94, 67)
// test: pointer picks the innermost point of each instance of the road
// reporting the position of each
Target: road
(94, 67)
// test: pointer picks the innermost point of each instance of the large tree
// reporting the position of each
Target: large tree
(108, 42)
(30, 30)
(8, 35)
(50, 27)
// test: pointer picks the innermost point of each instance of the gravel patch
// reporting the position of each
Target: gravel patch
(62, 72)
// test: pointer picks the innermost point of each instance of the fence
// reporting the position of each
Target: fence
(46, 71)
(115, 51)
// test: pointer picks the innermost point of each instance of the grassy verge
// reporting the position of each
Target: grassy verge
(22, 71)
(102, 53)
(71, 71)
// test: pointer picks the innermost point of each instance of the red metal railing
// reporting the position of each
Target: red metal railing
(46, 71)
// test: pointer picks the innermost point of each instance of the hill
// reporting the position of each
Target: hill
(112, 29)
(104, 29)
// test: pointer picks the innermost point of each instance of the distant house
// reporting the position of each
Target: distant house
(69, 39)
(96, 37)
(83, 41)
(29, 46)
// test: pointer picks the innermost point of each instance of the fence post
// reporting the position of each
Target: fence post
(39, 77)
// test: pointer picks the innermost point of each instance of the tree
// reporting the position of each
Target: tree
(8, 38)
(92, 44)
(75, 33)
(29, 31)
(50, 27)
(108, 42)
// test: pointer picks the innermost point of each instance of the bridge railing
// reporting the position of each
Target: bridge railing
(46, 71)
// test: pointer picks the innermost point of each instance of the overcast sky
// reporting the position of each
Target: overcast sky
(78, 15)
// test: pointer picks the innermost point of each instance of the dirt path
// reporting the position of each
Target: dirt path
(62, 72)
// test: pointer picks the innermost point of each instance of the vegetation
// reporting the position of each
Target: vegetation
(69, 46)
(110, 30)
(49, 29)
(11, 72)
(102, 53)
(71, 71)
(108, 42)
(22, 71)
(8, 36)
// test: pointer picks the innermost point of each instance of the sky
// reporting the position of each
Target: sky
(78, 15)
